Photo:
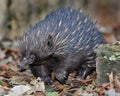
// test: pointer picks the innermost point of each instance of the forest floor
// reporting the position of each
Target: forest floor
(16, 83)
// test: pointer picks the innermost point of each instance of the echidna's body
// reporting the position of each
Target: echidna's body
(64, 41)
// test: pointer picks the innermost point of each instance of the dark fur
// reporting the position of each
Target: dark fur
(64, 41)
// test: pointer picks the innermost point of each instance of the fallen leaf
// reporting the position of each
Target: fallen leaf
(87, 94)
(7, 60)
(110, 92)
(38, 85)
(4, 67)
(39, 94)
(18, 90)
(101, 91)
(60, 86)
(111, 80)
(11, 49)
(117, 84)
(84, 81)
(2, 54)
(78, 92)
(6, 44)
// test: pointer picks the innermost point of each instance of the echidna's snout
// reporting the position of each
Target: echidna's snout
(26, 61)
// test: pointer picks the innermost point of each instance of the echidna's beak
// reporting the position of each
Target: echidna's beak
(24, 64)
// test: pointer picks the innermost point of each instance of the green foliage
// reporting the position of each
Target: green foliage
(51, 93)
(1, 82)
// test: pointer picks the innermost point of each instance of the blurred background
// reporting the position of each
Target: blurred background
(17, 15)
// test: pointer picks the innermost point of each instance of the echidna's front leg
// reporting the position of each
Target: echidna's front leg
(61, 74)
(45, 74)
(42, 72)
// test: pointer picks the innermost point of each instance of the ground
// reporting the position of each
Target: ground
(16, 83)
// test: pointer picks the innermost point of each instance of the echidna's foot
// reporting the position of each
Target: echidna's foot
(61, 75)
(42, 72)
(82, 74)
(47, 80)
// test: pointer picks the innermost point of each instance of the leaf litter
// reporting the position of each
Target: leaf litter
(15, 83)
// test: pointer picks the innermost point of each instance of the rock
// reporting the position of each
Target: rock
(108, 60)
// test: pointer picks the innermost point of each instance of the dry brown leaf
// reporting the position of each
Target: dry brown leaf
(105, 86)
(4, 67)
(110, 86)
(12, 50)
(111, 77)
(102, 91)
(6, 72)
(78, 92)
(111, 81)
(39, 94)
(117, 84)
(14, 67)
(61, 87)
(110, 38)
(84, 81)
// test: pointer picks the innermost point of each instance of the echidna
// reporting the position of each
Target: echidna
(63, 42)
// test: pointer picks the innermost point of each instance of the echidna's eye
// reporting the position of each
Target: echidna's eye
(32, 57)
